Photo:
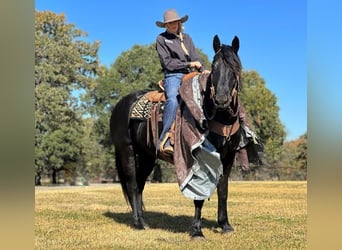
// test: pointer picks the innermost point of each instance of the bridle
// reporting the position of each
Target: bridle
(233, 92)
(215, 126)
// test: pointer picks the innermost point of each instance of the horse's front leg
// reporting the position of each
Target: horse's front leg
(222, 214)
(196, 230)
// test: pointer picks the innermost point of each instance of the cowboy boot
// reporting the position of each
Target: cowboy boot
(165, 146)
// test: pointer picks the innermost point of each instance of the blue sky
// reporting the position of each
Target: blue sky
(272, 33)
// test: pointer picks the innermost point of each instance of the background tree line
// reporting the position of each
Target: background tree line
(74, 95)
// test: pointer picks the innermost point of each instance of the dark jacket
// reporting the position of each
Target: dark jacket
(172, 57)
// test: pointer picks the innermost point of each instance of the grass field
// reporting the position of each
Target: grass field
(265, 215)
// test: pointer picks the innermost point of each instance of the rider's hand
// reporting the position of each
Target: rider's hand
(195, 64)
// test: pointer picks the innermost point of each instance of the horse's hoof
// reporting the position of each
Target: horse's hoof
(197, 236)
(227, 230)
(139, 227)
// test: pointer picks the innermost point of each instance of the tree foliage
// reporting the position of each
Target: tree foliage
(63, 64)
(72, 133)
(62, 58)
(263, 112)
(293, 163)
(58, 129)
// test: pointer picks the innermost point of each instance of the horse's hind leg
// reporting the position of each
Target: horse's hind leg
(126, 166)
(144, 169)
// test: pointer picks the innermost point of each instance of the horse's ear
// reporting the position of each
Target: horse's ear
(236, 44)
(216, 43)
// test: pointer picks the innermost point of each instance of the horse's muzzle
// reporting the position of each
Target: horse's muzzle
(222, 102)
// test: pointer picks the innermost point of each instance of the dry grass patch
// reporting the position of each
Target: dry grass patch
(265, 215)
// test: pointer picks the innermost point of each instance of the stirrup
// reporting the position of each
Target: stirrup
(167, 149)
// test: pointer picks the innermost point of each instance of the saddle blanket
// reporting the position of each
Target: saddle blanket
(198, 165)
(142, 108)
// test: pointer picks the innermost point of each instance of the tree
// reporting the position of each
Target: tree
(293, 162)
(63, 63)
(263, 112)
(58, 130)
(73, 135)
(62, 59)
(302, 156)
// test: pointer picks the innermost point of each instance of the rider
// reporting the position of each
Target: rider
(178, 56)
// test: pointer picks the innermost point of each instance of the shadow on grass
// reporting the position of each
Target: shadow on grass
(164, 221)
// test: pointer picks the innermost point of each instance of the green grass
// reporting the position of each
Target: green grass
(265, 215)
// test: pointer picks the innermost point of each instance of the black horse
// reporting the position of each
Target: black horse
(135, 157)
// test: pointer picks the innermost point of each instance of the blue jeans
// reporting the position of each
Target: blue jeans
(172, 82)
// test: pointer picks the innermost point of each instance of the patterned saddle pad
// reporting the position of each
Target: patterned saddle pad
(143, 107)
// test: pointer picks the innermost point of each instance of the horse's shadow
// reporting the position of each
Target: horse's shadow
(158, 220)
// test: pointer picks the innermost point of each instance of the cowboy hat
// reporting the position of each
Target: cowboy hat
(171, 16)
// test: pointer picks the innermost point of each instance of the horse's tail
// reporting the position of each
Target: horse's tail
(121, 174)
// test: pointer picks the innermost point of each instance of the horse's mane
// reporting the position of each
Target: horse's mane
(232, 59)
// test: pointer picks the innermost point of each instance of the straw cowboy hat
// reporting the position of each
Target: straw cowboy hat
(171, 16)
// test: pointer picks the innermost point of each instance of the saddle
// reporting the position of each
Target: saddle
(159, 95)
(149, 107)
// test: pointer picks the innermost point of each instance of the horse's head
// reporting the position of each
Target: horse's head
(225, 74)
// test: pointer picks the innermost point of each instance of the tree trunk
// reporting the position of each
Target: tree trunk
(54, 177)
(37, 180)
